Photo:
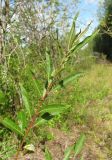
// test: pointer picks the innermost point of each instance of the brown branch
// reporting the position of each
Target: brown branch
(34, 117)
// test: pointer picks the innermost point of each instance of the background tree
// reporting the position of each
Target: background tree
(4, 20)
(103, 42)
(26, 28)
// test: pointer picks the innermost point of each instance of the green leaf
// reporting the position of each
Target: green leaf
(80, 35)
(76, 148)
(60, 48)
(35, 82)
(22, 120)
(72, 33)
(77, 47)
(54, 109)
(25, 100)
(67, 80)
(68, 153)
(37, 86)
(47, 116)
(47, 155)
(79, 145)
(48, 64)
(43, 119)
(8, 123)
(40, 121)
(2, 97)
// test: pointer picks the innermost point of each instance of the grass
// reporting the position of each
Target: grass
(91, 111)
(90, 98)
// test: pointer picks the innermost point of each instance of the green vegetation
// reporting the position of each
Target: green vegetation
(104, 39)
(55, 97)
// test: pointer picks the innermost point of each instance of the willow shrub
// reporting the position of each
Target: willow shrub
(30, 117)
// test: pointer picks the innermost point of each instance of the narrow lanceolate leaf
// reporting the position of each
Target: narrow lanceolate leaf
(37, 86)
(2, 97)
(72, 31)
(25, 100)
(54, 109)
(79, 145)
(22, 120)
(76, 148)
(68, 153)
(39, 122)
(35, 82)
(47, 155)
(60, 48)
(81, 34)
(67, 80)
(48, 64)
(77, 47)
(8, 123)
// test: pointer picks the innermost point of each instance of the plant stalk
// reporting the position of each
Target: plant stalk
(34, 117)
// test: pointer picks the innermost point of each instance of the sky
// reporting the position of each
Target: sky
(88, 12)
